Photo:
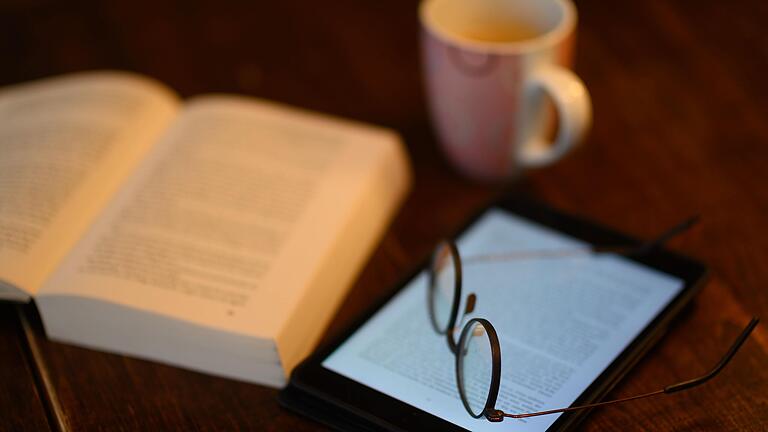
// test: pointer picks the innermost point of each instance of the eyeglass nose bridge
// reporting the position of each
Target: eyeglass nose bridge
(458, 322)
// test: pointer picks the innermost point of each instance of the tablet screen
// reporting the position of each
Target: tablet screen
(560, 321)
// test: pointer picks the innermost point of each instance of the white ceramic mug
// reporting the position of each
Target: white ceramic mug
(488, 66)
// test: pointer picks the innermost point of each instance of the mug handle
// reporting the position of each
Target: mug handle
(574, 109)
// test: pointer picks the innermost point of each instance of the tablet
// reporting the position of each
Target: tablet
(569, 328)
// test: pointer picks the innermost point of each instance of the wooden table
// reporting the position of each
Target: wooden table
(681, 127)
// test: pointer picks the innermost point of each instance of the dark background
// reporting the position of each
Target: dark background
(681, 127)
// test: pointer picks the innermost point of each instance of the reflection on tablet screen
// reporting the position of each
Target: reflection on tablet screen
(561, 322)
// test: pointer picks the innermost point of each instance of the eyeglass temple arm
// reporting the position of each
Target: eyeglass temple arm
(640, 249)
(720, 365)
(649, 245)
(498, 415)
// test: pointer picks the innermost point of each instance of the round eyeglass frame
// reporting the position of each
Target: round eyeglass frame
(493, 389)
(489, 411)
(454, 251)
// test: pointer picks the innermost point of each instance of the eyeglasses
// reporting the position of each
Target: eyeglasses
(478, 353)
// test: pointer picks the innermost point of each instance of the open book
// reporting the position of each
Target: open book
(218, 235)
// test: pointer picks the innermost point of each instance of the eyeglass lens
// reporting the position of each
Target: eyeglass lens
(442, 288)
(474, 368)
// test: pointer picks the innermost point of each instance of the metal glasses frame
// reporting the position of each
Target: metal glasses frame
(490, 411)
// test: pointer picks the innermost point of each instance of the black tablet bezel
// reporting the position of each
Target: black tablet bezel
(389, 413)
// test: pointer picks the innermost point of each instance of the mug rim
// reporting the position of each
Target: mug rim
(551, 37)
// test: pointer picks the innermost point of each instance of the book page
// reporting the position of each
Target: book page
(229, 218)
(560, 323)
(65, 145)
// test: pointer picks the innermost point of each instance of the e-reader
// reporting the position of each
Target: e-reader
(569, 326)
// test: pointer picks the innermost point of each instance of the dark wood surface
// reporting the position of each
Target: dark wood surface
(21, 406)
(679, 92)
